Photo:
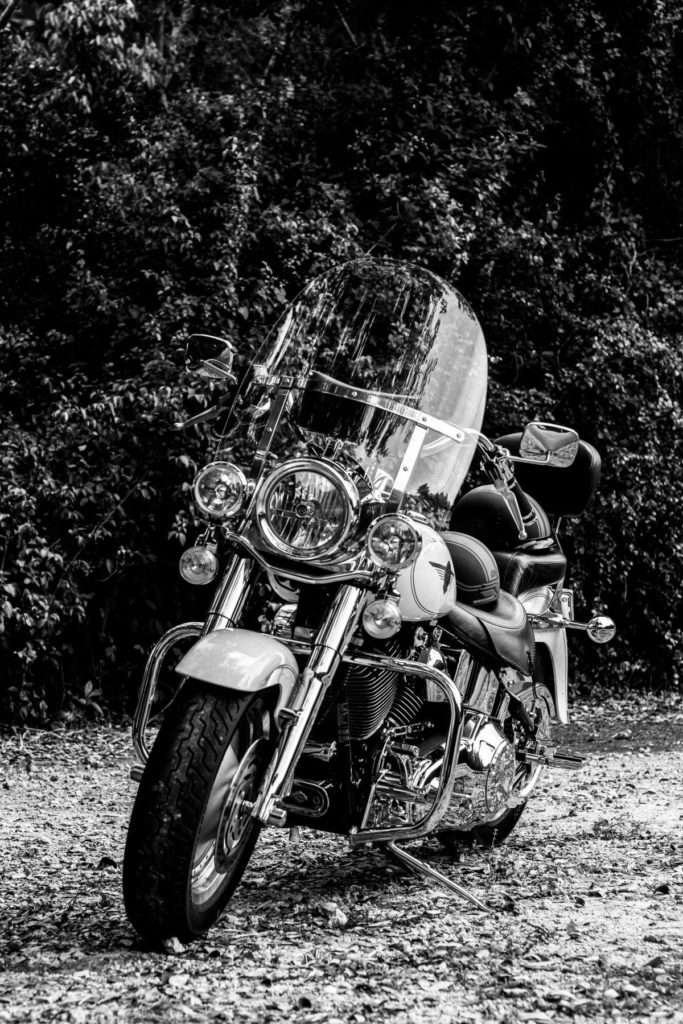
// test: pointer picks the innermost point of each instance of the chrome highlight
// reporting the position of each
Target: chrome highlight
(150, 679)
(601, 629)
(220, 490)
(382, 618)
(198, 565)
(326, 654)
(356, 577)
(328, 385)
(393, 542)
(307, 508)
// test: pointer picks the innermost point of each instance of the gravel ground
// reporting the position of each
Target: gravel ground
(586, 898)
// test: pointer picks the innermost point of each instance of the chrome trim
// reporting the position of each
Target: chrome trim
(225, 611)
(420, 868)
(451, 747)
(331, 472)
(356, 577)
(451, 751)
(326, 653)
(230, 596)
(416, 533)
(555, 643)
(149, 682)
(408, 463)
(330, 386)
(277, 408)
(241, 480)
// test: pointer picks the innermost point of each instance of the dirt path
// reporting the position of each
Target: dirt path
(587, 897)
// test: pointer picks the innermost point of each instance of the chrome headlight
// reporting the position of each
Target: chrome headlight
(219, 490)
(393, 542)
(198, 565)
(307, 508)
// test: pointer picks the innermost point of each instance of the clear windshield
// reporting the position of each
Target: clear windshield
(383, 339)
(386, 365)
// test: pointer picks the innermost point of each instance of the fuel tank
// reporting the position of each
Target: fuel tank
(427, 588)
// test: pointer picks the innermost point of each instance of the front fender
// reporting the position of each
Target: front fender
(239, 659)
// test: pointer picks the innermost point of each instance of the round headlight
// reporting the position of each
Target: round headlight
(307, 508)
(393, 542)
(198, 565)
(219, 490)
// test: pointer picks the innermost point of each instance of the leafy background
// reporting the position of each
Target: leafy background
(172, 166)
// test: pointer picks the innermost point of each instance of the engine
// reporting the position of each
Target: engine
(407, 784)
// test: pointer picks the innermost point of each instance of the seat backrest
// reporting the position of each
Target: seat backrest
(561, 492)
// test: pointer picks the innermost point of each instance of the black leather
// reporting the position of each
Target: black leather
(476, 573)
(524, 570)
(561, 492)
(483, 513)
(500, 635)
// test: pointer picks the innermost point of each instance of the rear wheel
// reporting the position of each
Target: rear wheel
(191, 831)
(541, 707)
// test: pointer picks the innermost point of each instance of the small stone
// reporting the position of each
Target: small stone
(173, 946)
(610, 993)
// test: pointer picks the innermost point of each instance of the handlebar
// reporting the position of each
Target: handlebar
(500, 470)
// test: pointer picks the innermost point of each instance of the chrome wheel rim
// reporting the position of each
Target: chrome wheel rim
(227, 822)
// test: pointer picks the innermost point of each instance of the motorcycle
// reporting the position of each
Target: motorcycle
(386, 650)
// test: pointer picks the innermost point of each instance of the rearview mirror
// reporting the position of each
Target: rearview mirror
(212, 356)
(548, 443)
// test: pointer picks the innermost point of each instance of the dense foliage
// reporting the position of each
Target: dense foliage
(171, 166)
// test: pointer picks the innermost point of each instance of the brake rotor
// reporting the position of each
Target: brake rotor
(239, 803)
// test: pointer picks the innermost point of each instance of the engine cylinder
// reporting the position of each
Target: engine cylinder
(370, 694)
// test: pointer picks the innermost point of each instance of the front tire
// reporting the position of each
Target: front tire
(191, 832)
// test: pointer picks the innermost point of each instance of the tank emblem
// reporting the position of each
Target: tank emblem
(445, 572)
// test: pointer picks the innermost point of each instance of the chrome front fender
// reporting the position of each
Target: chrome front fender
(239, 659)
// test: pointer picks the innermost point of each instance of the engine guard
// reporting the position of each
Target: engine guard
(239, 659)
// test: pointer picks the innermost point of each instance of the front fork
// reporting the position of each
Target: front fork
(298, 719)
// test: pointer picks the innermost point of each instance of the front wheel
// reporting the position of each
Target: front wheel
(191, 831)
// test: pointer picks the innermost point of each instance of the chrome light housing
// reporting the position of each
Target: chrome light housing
(307, 508)
(393, 542)
(198, 565)
(219, 490)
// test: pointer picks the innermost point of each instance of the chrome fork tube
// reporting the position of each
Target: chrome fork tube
(326, 655)
(229, 598)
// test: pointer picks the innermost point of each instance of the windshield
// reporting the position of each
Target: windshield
(385, 366)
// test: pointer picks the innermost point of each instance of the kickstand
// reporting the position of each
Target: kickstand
(420, 868)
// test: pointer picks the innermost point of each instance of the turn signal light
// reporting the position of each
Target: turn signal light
(382, 618)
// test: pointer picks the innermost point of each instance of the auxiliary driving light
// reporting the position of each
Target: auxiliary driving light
(198, 565)
(382, 618)
(393, 542)
(219, 490)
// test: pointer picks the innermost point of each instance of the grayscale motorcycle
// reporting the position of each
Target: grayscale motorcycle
(385, 650)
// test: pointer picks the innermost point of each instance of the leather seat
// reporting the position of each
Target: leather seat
(476, 573)
(500, 634)
(539, 564)
(483, 513)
